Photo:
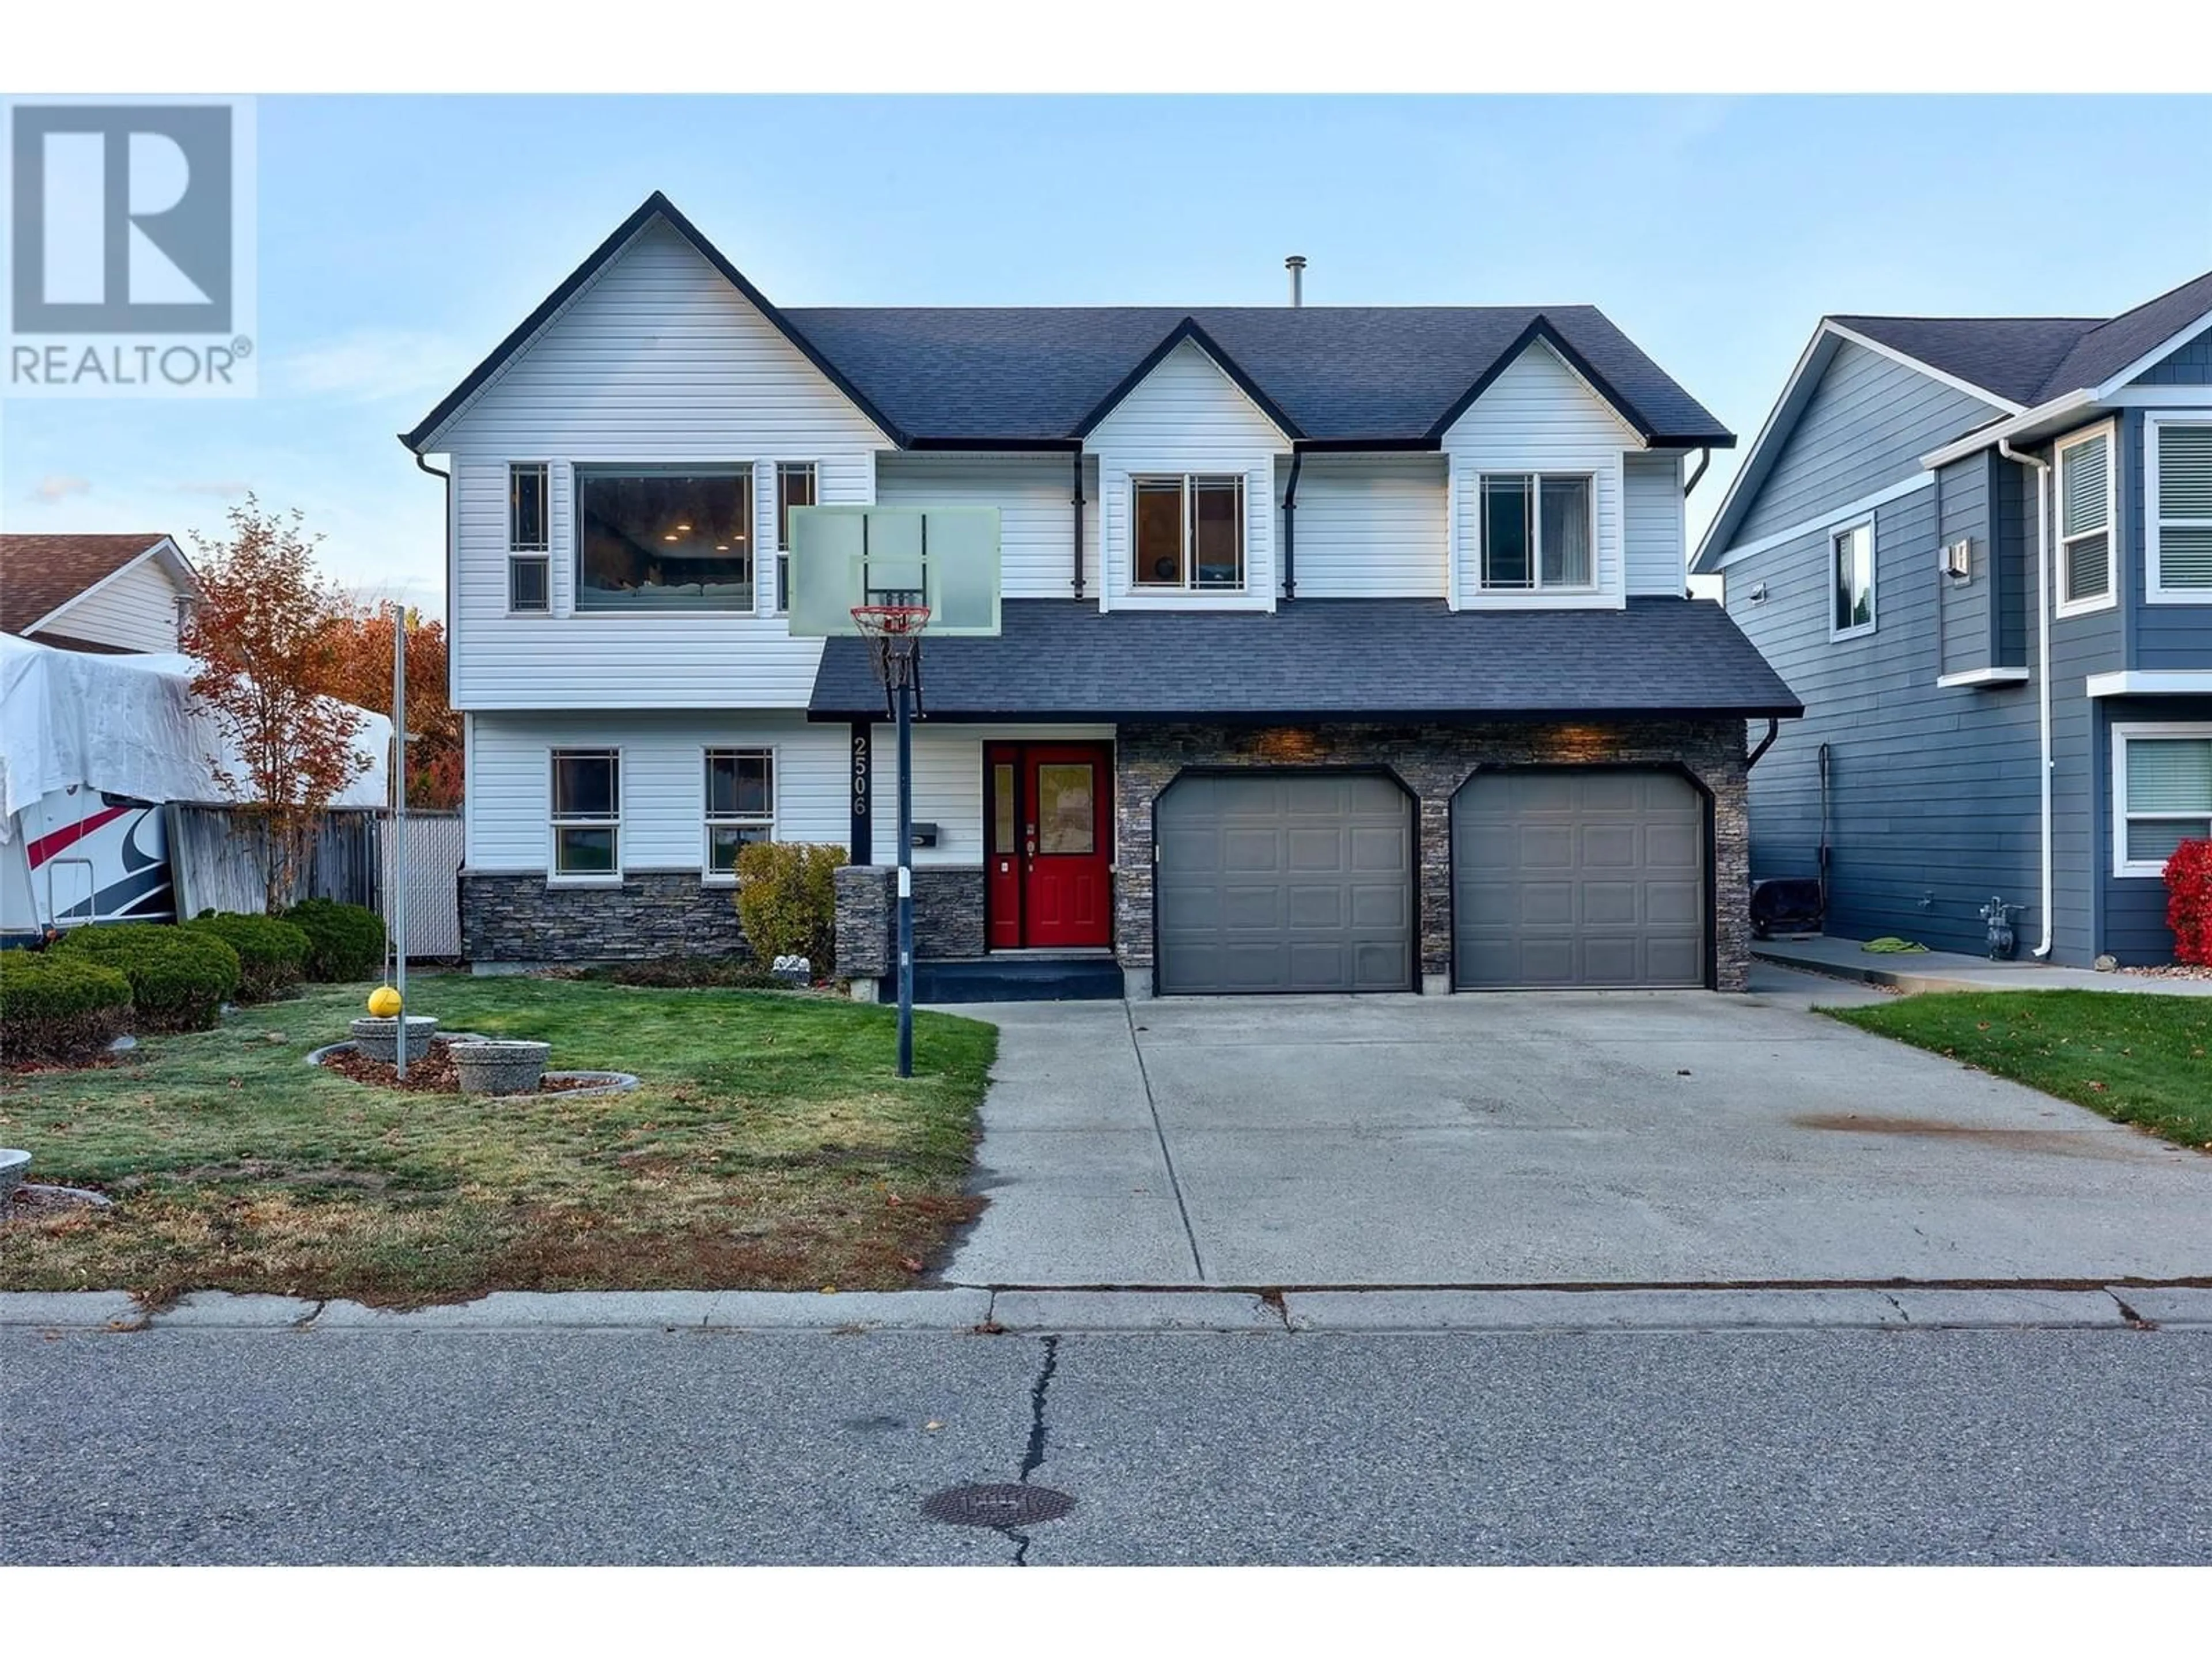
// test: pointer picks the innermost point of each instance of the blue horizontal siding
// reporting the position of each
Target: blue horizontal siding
(2190, 366)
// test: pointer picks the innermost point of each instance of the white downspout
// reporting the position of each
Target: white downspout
(2043, 664)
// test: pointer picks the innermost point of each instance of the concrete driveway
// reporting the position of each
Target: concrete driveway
(1659, 1137)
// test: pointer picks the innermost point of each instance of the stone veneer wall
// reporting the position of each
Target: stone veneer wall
(1433, 762)
(948, 916)
(523, 918)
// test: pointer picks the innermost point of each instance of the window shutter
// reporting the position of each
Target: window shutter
(2086, 474)
(2185, 506)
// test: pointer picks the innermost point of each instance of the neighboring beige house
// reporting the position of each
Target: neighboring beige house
(110, 593)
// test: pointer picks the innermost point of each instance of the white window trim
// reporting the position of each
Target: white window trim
(542, 555)
(709, 822)
(554, 875)
(581, 464)
(1537, 477)
(2109, 431)
(2125, 732)
(1859, 630)
(1189, 589)
(780, 601)
(2156, 591)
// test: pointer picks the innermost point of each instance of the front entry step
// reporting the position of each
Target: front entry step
(1089, 978)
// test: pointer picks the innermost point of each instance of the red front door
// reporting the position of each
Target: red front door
(1051, 844)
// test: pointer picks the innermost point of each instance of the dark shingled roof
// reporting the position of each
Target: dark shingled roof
(1328, 659)
(1007, 377)
(39, 575)
(1337, 372)
(2032, 360)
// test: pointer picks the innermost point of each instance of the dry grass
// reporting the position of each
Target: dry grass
(769, 1148)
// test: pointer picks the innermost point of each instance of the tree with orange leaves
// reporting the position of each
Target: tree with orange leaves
(360, 634)
(267, 659)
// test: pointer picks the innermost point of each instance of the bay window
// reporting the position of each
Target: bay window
(663, 539)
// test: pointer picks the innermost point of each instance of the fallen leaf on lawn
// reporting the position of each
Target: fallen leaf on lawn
(911, 1263)
(828, 1290)
(933, 1425)
(2096, 1085)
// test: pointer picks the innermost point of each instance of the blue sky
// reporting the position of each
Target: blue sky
(400, 238)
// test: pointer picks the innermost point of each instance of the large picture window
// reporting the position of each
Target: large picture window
(1537, 533)
(664, 539)
(2178, 453)
(740, 804)
(1187, 533)
(586, 813)
(2086, 509)
(2161, 793)
(1851, 554)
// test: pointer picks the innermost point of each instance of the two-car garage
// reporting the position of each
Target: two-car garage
(1274, 881)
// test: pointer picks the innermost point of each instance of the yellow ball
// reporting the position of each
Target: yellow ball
(384, 1002)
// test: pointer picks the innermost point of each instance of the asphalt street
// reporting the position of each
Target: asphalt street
(220, 1445)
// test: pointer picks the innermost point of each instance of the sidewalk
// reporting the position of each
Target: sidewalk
(1943, 970)
(992, 1312)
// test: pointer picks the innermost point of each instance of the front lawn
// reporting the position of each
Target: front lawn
(2144, 1060)
(771, 1147)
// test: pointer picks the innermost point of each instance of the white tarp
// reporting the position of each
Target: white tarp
(127, 725)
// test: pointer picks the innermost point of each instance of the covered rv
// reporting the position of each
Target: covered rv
(92, 748)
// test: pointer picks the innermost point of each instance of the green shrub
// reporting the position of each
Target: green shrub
(786, 902)
(56, 1007)
(179, 978)
(344, 941)
(272, 954)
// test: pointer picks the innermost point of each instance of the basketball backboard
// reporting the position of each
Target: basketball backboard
(945, 557)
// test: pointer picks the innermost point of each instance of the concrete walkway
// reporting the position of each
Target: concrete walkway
(1558, 1140)
(1943, 970)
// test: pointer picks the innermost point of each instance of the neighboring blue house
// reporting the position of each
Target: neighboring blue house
(1937, 508)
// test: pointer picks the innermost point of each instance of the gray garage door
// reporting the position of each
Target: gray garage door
(1285, 882)
(1592, 877)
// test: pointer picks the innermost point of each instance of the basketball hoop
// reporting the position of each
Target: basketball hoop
(893, 635)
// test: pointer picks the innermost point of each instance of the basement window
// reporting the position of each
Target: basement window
(740, 805)
(587, 813)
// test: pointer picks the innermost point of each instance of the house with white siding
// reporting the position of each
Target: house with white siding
(99, 593)
(1980, 548)
(1343, 648)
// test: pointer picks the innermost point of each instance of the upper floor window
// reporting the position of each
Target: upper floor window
(1537, 533)
(670, 538)
(586, 813)
(529, 537)
(795, 487)
(1851, 556)
(2161, 793)
(2086, 510)
(740, 804)
(1187, 533)
(2179, 491)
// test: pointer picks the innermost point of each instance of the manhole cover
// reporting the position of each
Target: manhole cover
(996, 1506)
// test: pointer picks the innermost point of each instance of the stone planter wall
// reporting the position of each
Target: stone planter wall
(524, 919)
(1432, 762)
(948, 916)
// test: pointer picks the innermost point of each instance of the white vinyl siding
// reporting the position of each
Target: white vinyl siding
(2162, 792)
(663, 783)
(948, 784)
(1370, 527)
(658, 360)
(2088, 519)
(1538, 416)
(1189, 416)
(1657, 551)
(134, 610)
(1036, 515)
(2178, 507)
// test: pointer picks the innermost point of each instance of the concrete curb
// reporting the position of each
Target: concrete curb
(1893, 979)
(1136, 1311)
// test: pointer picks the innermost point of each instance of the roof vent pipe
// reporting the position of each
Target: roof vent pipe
(1296, 264)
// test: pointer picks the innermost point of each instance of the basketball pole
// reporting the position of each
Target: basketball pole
(903, 672)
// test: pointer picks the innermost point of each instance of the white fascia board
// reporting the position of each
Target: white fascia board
(2151, 682)
(1985, 676)
(1954, 381)
(2028, 423)
(1833, 516)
